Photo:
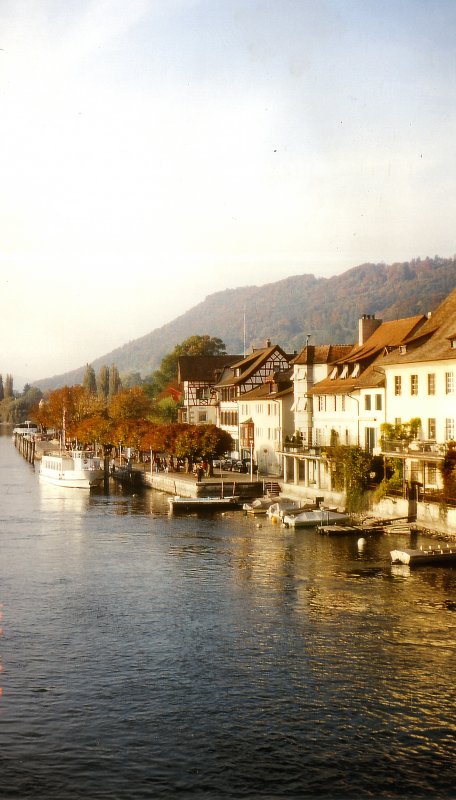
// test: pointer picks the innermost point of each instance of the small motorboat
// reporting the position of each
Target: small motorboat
(260, 505)
(279, 508)
(430, 555)
(315, 517)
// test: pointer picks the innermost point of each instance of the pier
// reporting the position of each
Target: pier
(25, 443)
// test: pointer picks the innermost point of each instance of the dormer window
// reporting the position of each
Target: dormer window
(355, 372)
(344, 373)
(453, 342)
(403, 349)
(333, 375)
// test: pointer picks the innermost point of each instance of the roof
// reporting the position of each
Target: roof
(322, 353)
(248, 365)
(268, 390)
(432, 342)
(368, 356)
(388, 334)
(203, 368)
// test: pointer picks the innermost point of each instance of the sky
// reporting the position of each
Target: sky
(153, 152)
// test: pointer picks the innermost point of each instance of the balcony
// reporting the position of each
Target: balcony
(422, 450)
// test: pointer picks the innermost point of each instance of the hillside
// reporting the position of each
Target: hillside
(287, 310)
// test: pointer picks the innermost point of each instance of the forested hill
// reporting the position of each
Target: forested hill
(288, 310)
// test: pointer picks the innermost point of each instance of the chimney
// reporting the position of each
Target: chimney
(268, 343)
(366, 327)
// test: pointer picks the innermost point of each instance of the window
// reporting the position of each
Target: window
(449, 429)
(202, 416)
(378, 402)
(449, 382)
(431, 428)
(414, 384)
(321, 402)
(431, 383)
(397, 385)
(367, 402)
(343, 402)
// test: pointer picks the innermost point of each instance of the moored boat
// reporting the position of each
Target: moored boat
(280, 508)
(178, 503)
(260, 505)
(315, 517)
(75, 469)
(431, 555)
(345, 530)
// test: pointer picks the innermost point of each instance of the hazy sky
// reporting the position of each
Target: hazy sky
(155, 151)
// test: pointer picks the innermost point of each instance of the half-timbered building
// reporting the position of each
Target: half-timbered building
(241, 377)
(198, 376)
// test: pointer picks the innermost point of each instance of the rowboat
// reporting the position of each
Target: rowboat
(431, 555)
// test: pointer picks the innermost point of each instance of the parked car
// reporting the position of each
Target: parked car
(242, 466)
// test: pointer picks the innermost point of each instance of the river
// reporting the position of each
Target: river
(150, 656)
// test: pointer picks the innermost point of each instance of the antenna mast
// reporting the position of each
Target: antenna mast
(244, 331)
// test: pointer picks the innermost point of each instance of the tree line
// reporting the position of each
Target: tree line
(104, 413)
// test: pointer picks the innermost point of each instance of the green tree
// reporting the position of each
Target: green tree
(8, 391)
(114, 381)
(131, 379)
(90, 382)
(103, 382)
(193, 346)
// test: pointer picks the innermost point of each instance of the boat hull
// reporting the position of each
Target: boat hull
(76, 470)
(73, 481)
(186, 504)
(436, 555)
(311, 519)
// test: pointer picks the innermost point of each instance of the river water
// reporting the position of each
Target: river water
(147, 656)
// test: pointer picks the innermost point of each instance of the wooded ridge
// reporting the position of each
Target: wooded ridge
(286, 311)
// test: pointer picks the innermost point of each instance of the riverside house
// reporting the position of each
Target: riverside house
(420, 380)
(198, 376)
(241, 377)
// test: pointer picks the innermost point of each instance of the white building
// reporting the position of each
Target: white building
(310, 366)
(241, 377)
(265, 419)
(421, 384)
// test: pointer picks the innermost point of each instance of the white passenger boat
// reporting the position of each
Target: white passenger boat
(310, 519)
(178, 503)
(27, 428)
(75, 469)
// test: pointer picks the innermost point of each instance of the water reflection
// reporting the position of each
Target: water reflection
(218, 658)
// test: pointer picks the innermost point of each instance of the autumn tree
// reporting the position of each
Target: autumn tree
(129, 404)
(2, 391)
(201, 441)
